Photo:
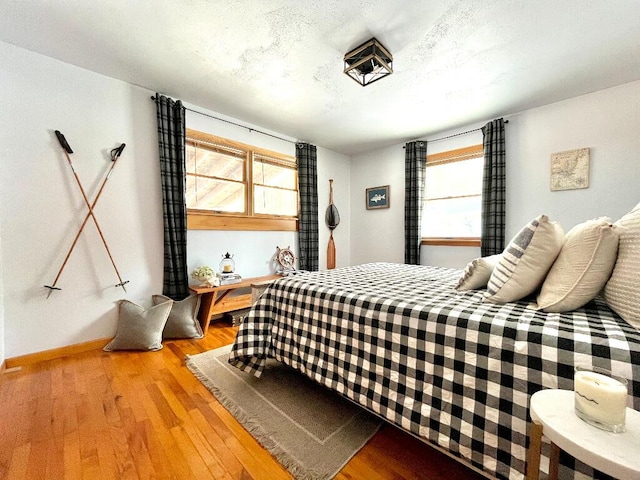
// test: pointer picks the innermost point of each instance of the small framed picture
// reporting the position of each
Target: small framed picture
(377, 197)
(570, 169)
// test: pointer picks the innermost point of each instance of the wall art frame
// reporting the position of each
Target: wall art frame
(377, 197)
(570, 169)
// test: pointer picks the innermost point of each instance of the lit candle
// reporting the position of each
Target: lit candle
(600, 398)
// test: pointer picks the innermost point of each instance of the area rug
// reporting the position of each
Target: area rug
(312, 431)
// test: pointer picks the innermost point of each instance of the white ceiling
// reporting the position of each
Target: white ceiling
(278, 63)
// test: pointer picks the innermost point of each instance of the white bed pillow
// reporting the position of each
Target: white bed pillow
(582, 268)
(526, 261)
(477, 273)
(622, 291)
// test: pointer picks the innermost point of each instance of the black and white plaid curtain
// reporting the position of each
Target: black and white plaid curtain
(415, 164)
(493, 189)
(171, 141)
(308, 241)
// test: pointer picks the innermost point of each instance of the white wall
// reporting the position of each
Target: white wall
(332, 165)
(378, 235)
(607, 121)
(206, 247)
(256, 257)
(41, 208)
(2, 348)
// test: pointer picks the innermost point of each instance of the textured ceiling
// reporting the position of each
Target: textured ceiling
(278, 63)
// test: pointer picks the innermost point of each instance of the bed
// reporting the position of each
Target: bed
(444, 365)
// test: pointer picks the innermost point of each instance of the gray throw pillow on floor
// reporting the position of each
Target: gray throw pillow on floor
(139, 329)
(183, 320)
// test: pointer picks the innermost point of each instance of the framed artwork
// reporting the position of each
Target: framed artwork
(377, 197)
(570, 169)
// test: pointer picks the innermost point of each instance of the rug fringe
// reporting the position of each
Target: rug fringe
(256, 430)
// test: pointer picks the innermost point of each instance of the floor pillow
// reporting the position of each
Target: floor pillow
(183, 320)
(139, 329)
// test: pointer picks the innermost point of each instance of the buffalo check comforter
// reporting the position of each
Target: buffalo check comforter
(441, 364)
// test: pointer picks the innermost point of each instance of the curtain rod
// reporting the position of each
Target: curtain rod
(454, 135)
(294, 142)
(235, 124)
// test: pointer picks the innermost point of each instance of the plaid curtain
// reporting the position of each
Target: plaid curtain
(306, 157)
(171, 141)
(415, 164)
(493, 189)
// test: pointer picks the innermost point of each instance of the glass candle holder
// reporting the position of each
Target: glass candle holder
(227, 265)
(600, 398)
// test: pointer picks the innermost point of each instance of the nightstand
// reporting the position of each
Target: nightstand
(552, 412)
(216, 300)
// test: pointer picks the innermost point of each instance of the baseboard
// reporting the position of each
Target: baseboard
(54, 353)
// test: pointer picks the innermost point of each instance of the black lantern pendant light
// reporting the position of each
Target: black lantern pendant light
(369, 62)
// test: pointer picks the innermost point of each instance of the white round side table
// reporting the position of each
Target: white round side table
(553, 414)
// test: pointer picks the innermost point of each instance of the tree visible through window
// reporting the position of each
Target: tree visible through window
(453, 196)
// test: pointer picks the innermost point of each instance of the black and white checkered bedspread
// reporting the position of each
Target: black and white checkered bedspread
(399, 340)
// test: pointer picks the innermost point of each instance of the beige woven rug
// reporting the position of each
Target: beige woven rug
(312, 431)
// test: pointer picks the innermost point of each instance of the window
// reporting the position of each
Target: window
(216, 177)
(275, 188)
(453, 197)
(233, 186)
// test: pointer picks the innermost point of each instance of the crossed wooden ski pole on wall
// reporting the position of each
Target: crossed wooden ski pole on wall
(115, 155)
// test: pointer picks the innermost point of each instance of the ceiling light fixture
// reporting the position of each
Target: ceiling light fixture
(369, 62)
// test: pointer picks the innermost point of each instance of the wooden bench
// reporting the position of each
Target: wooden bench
(216, 300)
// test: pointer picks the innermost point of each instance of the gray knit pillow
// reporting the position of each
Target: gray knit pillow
(183, 320)
(139, 329)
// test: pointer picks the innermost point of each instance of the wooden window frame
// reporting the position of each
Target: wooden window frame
(457, 155)
(198, 219)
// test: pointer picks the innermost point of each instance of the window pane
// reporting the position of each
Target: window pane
(275, 201)
(220, 178)
(454, 179)
(212, 194)
(455, 217)
(274, 175)
(214, 163)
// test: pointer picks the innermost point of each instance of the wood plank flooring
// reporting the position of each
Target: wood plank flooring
(129, 415)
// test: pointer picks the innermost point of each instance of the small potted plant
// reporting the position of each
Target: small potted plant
(205, 275)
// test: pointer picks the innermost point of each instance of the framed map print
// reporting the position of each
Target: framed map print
(570, 169)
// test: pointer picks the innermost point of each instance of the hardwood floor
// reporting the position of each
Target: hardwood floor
(126, 415)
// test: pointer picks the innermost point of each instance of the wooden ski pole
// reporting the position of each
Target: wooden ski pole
(86, 219)
(115, 154)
